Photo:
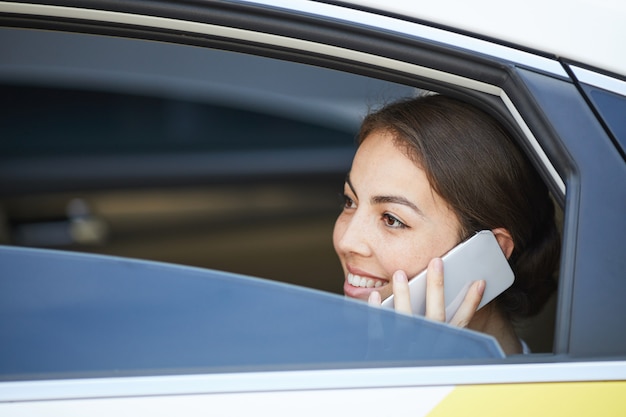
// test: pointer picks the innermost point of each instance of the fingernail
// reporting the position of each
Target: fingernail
(374, 299)
(437, 264)
(480, 287)
(399, 277)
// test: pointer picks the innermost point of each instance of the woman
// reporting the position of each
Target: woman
(428, 173)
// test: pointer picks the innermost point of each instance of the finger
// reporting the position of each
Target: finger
(435, 303)
(401, 296)
(374, 299)
(468, 307)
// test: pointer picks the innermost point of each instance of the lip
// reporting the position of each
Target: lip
(359, 292)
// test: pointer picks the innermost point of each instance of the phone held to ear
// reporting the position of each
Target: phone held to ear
(479, 257)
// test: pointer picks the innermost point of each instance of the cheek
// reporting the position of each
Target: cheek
(411, 253)
(338, 231)
(402, 254)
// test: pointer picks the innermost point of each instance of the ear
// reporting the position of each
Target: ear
(504, 240)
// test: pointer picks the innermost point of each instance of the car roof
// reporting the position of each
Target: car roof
(588, 32)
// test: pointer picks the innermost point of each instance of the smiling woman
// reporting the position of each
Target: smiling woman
(429, 172)
(387, 225)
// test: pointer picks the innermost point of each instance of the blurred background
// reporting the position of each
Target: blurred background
(177, 153)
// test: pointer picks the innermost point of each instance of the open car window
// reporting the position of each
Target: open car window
(177, 153)
(196, 156)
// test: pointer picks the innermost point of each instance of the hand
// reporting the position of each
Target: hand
(435, 305)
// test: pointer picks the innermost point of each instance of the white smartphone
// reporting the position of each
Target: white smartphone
(479, 257)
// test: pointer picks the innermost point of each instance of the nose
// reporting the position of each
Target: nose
(352, 234)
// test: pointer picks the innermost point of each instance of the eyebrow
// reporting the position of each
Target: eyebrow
(383, 199)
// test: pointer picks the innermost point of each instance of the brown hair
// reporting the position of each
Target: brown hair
(476, 167)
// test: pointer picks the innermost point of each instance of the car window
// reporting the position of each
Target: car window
(176, 153)
(256, 196)
(611, 107)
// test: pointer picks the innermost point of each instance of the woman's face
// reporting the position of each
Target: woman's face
(392, 219)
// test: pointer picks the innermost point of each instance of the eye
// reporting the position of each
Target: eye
(346, 202)
(393, 222)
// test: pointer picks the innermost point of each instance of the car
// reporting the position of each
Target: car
(264, 98)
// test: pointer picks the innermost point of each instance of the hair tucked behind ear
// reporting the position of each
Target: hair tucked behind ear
(473, 164)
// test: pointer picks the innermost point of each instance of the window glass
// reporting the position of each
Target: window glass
(73, 315)
(612, 108)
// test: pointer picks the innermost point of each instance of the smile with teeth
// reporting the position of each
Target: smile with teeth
(359, 281)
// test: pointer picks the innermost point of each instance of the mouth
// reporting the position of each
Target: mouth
(360, 284)
(364, 282)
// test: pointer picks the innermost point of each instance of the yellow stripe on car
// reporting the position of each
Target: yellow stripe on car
(536, 399)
